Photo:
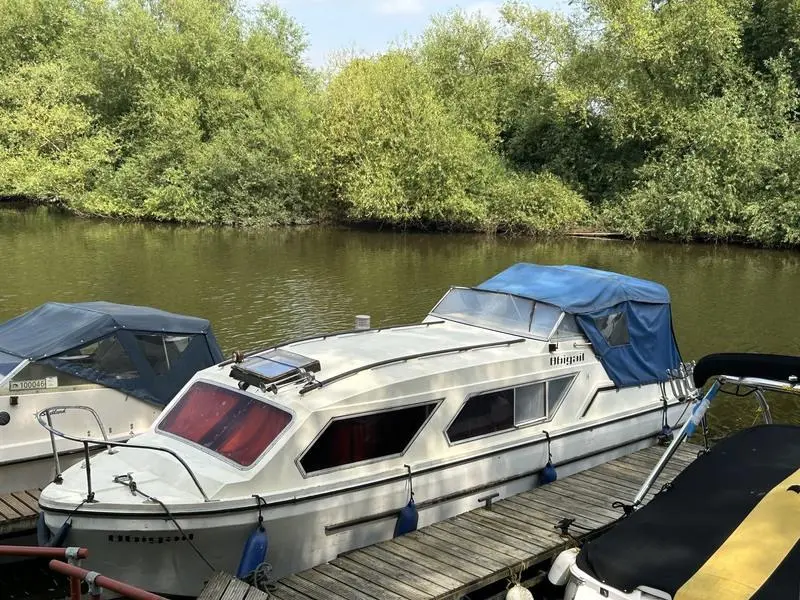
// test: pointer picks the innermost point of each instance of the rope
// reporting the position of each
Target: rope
(549, 454)
(261, 578)
(131, 485)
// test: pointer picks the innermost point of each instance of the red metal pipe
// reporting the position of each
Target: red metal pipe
(40, 552)
(104, 582)
(74, 588)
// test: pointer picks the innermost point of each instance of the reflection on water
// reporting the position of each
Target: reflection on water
(262, 286)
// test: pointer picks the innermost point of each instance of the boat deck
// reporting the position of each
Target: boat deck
(18, 512)
(469, 552)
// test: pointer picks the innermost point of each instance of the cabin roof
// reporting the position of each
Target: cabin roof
(574, 289)
(339, 354)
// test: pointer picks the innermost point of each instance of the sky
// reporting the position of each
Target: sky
(368, 26)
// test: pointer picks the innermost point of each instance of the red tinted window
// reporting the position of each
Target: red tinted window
(234, 425)
(365, 437)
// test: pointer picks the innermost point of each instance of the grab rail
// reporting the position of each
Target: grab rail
(381, 363)
(698, 414)
(325, 336)
(106, 442)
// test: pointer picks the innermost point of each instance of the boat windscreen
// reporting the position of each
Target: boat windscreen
(234, 425)
(7, 363)
(498, 310)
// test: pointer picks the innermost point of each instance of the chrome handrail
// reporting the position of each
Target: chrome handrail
(698, 414)
(106, 442)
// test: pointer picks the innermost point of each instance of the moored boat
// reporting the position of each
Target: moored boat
(321, 440)
(728, 526)
(123, 362)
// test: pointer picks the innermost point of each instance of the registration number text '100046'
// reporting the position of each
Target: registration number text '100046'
(33, 384)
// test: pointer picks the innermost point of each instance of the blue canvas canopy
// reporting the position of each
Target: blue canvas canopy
(143, 351)
(628, 320)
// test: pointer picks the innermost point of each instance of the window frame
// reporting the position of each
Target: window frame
(436, 404)
(549, 414)
(490, 327)
(156, 425)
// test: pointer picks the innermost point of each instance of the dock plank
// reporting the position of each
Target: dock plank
(22, 509)
(216, 586)
(428, 561)
(423, 547)
(457, 556)
(497, 550)
(422, 587)
(464, 547)
(420, 570)
(236, 590)
(283, 592)
(8, 513)
(357, 582)
(27, 500)
(356, 568)
(310, 589)
(337, 587)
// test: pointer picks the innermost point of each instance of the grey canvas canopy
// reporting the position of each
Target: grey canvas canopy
(146, 352)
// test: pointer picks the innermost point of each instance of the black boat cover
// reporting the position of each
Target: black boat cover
(765, 366)
(728, 527)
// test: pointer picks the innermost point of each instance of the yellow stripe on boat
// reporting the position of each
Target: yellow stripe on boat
(753, 551)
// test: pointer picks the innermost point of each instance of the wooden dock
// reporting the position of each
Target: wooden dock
(19, 512)
(476, 549)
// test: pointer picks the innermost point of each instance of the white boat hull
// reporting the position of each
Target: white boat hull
(26, 454)
(150, 551)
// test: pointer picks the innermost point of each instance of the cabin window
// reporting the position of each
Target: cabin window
(352, 440)
(106, 356)
(40, 376)
(490, 309)
(530, 403)
(545, 317)
(483, 414)
(614, 328)
(556, 391)
(503, 410)
(234, 425)
(162, 351)
(8, 363)
(568, 328)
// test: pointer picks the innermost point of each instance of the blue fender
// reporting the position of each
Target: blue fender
(407, 520)
(548, 474)
(254, 553)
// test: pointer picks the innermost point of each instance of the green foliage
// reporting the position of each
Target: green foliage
(161, 109)
(675, 119)
(395, 153)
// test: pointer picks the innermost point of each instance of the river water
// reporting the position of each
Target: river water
(263, 286)
(259, 287)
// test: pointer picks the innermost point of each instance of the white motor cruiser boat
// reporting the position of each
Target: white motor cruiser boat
(123, 362)
(727, 527)
(321, 439)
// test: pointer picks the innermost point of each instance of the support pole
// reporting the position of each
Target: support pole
(686, 431)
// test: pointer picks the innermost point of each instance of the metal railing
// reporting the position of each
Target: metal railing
(95, 582)
(87, 442)
(698, 413)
